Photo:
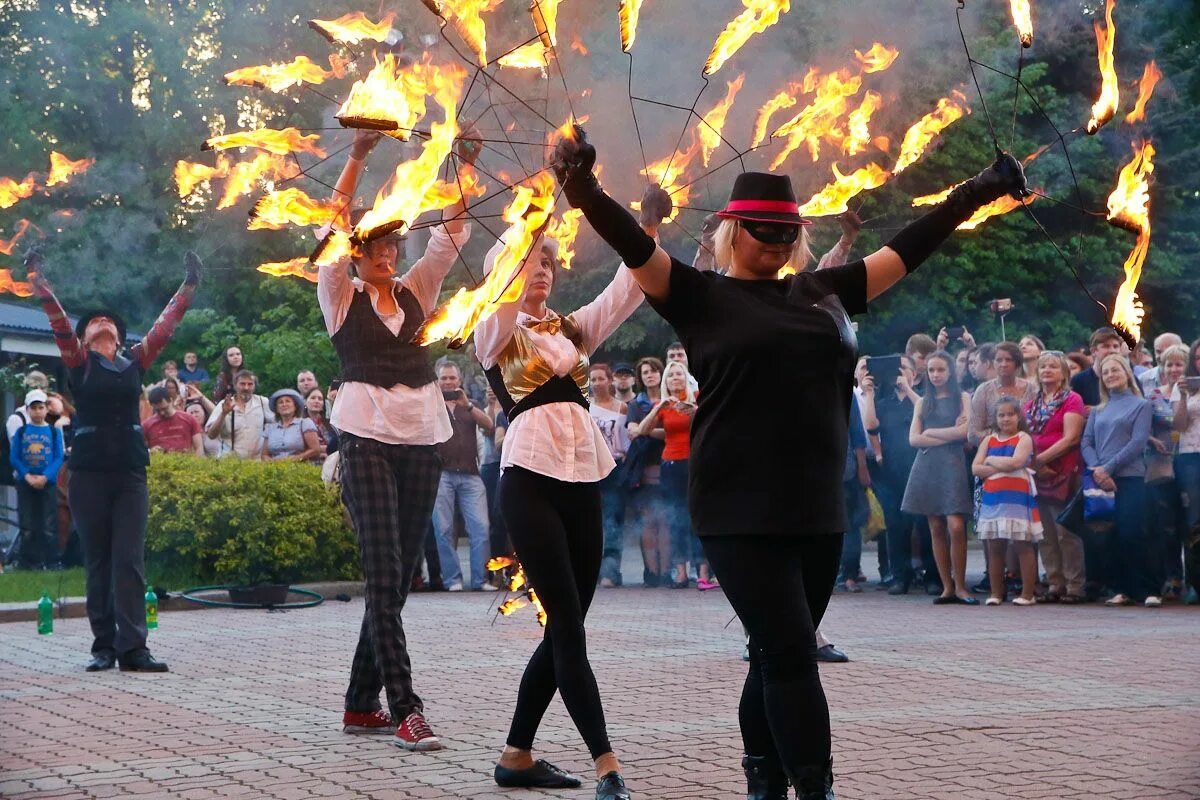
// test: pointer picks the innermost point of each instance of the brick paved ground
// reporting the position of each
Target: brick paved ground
(946, 702)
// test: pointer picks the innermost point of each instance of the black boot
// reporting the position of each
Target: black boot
(814, 783)
(764, 778)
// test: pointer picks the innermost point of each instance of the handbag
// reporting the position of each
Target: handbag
(1099, 505)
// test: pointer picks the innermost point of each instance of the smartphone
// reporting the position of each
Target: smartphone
(955, 332)
(1193, 384)
(884, 367)
(1002, 306)
(448, 396)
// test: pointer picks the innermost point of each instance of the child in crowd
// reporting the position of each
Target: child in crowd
(36, 453)
(1008, 513)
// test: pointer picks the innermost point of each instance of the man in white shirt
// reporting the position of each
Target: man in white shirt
(1149, 378)
(391, 416)
(239, 420)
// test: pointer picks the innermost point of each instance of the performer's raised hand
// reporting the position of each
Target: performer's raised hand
(656, 206)
(364, 143)
(1005, 176)
(469, 144)
(851, 225)
(192, 266)
(572, 161)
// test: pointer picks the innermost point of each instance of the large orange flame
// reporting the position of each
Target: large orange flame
(995, 208)
(277, 77)
(403, 199)
(243, 177)
(12, 286)
(189, 175)
(463, 16)
(1023, 18)
(291, 206)
(668, 173)
(279, 142)
(8, 245)
(1109, 101)
(1150, 78)
(858, 124)
(545, 19)
(1129, 208)
(353, 28)
(785, 99)
(919, 136)
(714, 121)
(333, 248)
(527, 216)
(297, 267)
(820, 119)
(529, 56)
(758, 16)
(62, 168)
(390, 97)
(835, 197)
(878, 58)
(565, 230)
(12, 192)
(627, 17)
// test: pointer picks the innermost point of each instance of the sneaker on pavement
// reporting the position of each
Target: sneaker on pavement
(487, 587)
(455, 587)
(378, 722)
(415, 734)
(1118, 600)
(1153, 601)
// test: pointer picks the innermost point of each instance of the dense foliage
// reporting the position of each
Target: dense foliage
(138, 86)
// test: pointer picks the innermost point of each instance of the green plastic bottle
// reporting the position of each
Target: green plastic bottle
(151, 609)
(45, 614)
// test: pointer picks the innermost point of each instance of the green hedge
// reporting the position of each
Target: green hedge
(217, 521)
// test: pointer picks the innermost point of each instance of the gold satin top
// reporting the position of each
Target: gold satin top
(524, 369)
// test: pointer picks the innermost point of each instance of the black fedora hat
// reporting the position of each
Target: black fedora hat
(81, 325)
(763, 197)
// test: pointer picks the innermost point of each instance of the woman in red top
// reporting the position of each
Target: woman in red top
(673, 413)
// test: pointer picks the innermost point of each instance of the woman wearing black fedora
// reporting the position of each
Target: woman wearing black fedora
(776, 552)
(108, 463)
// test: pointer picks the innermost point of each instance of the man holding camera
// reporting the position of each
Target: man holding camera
(239, 420)
(460, 486)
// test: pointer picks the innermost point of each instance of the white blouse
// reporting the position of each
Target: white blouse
(558, 440)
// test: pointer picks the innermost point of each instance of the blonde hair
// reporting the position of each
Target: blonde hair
(723, 247)
(1179, 351)
(689, 393)
(1132, 381)
(1063, 364)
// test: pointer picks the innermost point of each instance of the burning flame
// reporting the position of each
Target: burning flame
(627, 16)
(1129, 208)
(565, 230)
(517, 583)
(338, 64)
(290, 207)
(512, 605)
(821, 118)
(463, 16)
(12, 192)
(390, 97)
(1150, 78)
(668, 173)
(1023, 19)
(578, 46)
(918, 137)
(527, 215)
(545, 19)
(62, 168)
(997, 207)
(297, 267)
(859, 122)
(834, 198)
(11, 286)
(710, 129)
(353, 28)
(7, 246)
(403, 199)
(785, 99)
(279, 142)
(878, 58)
(243, 176)
(189, 175)
(333, 248)
(758, 16)
(1106, 105)
(277, 77)
(529, 56)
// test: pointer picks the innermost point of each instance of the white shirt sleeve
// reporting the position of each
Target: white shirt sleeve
(599, 318)
(425, 277)
(14, 423)
(836, 256)
(335, 290)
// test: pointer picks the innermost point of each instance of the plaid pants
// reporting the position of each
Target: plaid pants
(389, 490)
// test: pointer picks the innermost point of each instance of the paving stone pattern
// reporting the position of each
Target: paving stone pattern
(939, 702)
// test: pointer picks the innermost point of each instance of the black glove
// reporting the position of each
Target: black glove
(34, 259)
(572, 162)
(193, 265)
(656, 205)
(1004, 177)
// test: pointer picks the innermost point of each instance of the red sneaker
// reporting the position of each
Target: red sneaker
(415, 734)
(377, 721)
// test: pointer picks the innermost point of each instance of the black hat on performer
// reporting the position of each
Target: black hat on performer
(763, 197)
(392, 236)
(81, 326)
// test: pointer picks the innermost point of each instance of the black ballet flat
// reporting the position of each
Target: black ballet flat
(612, 787)
(542, 775)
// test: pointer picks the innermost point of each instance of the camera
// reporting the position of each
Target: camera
(955, 332)
(1002, 306)
(451, 395)
(881, 367)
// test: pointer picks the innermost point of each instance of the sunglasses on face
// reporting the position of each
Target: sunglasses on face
(771, 232)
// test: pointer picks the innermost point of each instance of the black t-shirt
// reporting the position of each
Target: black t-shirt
(1087, 385)
(895, 419)
(776, 360)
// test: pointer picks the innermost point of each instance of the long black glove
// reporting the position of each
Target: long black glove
(192, 265)
(920, 239)
(572, 162)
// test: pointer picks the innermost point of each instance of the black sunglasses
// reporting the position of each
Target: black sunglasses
(771, 232)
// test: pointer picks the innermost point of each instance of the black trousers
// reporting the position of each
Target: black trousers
(110, 511)
(558, 533)
(37, 514)
(389, 490)
(780, 588)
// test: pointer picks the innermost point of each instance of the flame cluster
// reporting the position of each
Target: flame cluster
(528, 215)
(353, 28)
(756, 18)
(921, 133)
(627, 19)
(1151, 75)
(279, 142)
(463, 16)
(291, 206)
(1129, 208)
(390, 97)
(1106, 105)
(517, 583)
(281, 76)
(241, 178)
(1022, 16)
(61, 170)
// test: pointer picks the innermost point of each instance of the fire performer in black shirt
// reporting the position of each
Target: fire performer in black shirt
(776, 552)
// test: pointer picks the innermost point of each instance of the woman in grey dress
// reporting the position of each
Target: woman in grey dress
(937, 485)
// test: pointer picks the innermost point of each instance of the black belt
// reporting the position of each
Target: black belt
(93, 428)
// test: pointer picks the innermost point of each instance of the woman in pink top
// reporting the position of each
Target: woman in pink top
(1056, 417)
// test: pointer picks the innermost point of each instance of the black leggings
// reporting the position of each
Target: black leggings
(780, 587)
(557, 530)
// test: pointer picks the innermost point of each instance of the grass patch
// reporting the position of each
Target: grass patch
(21, 585)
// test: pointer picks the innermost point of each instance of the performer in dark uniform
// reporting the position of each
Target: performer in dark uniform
(108, 463)
(776, 552)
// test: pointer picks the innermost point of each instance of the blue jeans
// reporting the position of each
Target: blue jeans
(466, 491)
(1136, 565)
(613, 498)
(856, 516)
(685, 545)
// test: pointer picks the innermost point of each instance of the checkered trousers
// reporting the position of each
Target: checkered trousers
(389, 490)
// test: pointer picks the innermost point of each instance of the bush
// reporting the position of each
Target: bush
(218, 521)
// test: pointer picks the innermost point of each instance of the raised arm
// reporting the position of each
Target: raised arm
(69, 346)
(840, 252)
(145, 351)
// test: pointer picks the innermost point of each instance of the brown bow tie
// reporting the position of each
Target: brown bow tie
(550, 326)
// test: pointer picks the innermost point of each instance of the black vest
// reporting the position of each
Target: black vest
(107, 423)
(370, 353)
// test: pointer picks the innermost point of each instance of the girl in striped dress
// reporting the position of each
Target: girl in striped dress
(1008, 512)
